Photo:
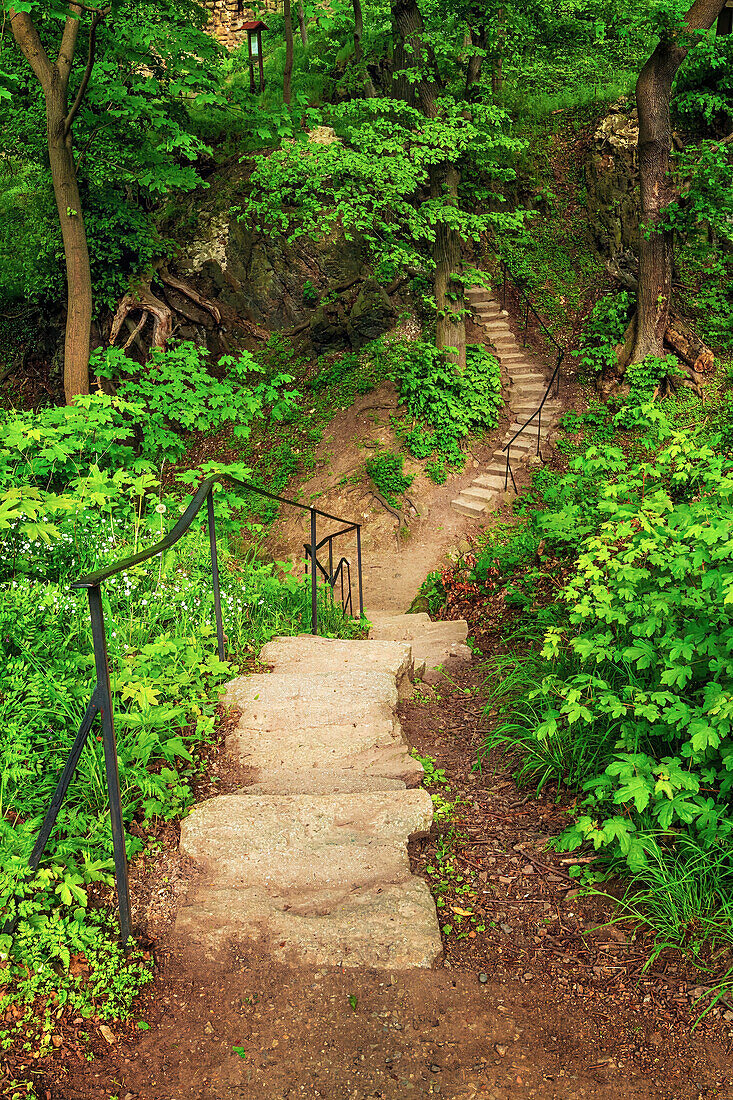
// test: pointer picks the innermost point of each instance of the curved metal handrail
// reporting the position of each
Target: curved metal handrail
(183, 524)
(100, 702)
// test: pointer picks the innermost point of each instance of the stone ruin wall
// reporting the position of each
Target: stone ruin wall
(229, 16)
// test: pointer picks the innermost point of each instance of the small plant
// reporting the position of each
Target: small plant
(310, 293)
(385, 470)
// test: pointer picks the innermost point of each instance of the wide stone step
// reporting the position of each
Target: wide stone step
(310, 879)
(280, 700)
(308, 654)
(479, 492)
(415, 627)
(305, 840)
(389, 927)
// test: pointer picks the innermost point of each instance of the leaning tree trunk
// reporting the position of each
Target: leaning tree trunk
(653, 97)
(76, 250)
(288, 72)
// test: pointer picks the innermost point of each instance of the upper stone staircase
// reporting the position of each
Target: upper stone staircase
(527, 387)
(310, 861)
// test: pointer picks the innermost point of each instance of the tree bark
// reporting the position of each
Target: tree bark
(302, 25)
(76, 250)
(444, 180)
(288, 72)
(450, 331)
(54, 81)
(653, 96)
(358, 53)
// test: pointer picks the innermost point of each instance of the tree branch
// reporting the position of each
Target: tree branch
(30, 45)
(97, 17)
(65, 59)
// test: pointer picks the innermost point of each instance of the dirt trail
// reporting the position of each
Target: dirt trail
(398, 552)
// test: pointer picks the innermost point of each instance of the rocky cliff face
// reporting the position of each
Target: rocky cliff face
(612, 176)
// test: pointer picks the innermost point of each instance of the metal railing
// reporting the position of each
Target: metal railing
(100, 702)
(554, 380)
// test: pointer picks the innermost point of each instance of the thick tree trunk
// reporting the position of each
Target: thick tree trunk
(302, 26)
(653, 96)
(76, 250)
(288, 73)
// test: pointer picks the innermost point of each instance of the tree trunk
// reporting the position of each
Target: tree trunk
(302, 23)
(54, 81)
(444, 180)
(76, 251)
(358, 54)
(450, 332)
(653, 96)
(288, 72)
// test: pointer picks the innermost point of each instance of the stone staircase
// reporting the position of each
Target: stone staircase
(309, 863)
(527, 384)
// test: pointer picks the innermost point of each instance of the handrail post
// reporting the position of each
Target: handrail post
(314, 578)
(358, 565)
(330, 561)
(110, 758)
(215, 573)
(503, 288)
(526, 318)
(539, 428)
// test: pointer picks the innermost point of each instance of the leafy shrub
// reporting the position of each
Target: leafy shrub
(604, 328)
(448, 403)
(385, 470)
(637, 693)
(703, 99)
(179, 395)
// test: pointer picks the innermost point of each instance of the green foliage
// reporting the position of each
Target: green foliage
(603, 329)
(134, 139)
(703, 91)
(385, 470)
(365, 184)
(310, 293)
(445, 404)
(53, 964)
(177, 394)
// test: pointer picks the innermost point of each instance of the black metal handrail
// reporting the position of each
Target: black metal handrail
(506, 275)
(101, 697)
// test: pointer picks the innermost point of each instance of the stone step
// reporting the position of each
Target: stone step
(390, 927)
(308, 654)
(491, 481)
(468, 507)
(320, 780)
(437, 644)
(479, 492)
(305, 841)
(490, 310)
(411, 628)
(279, 700)
(310, 879)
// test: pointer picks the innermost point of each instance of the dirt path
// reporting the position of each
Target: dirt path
(535, 1005)
(397, 554)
